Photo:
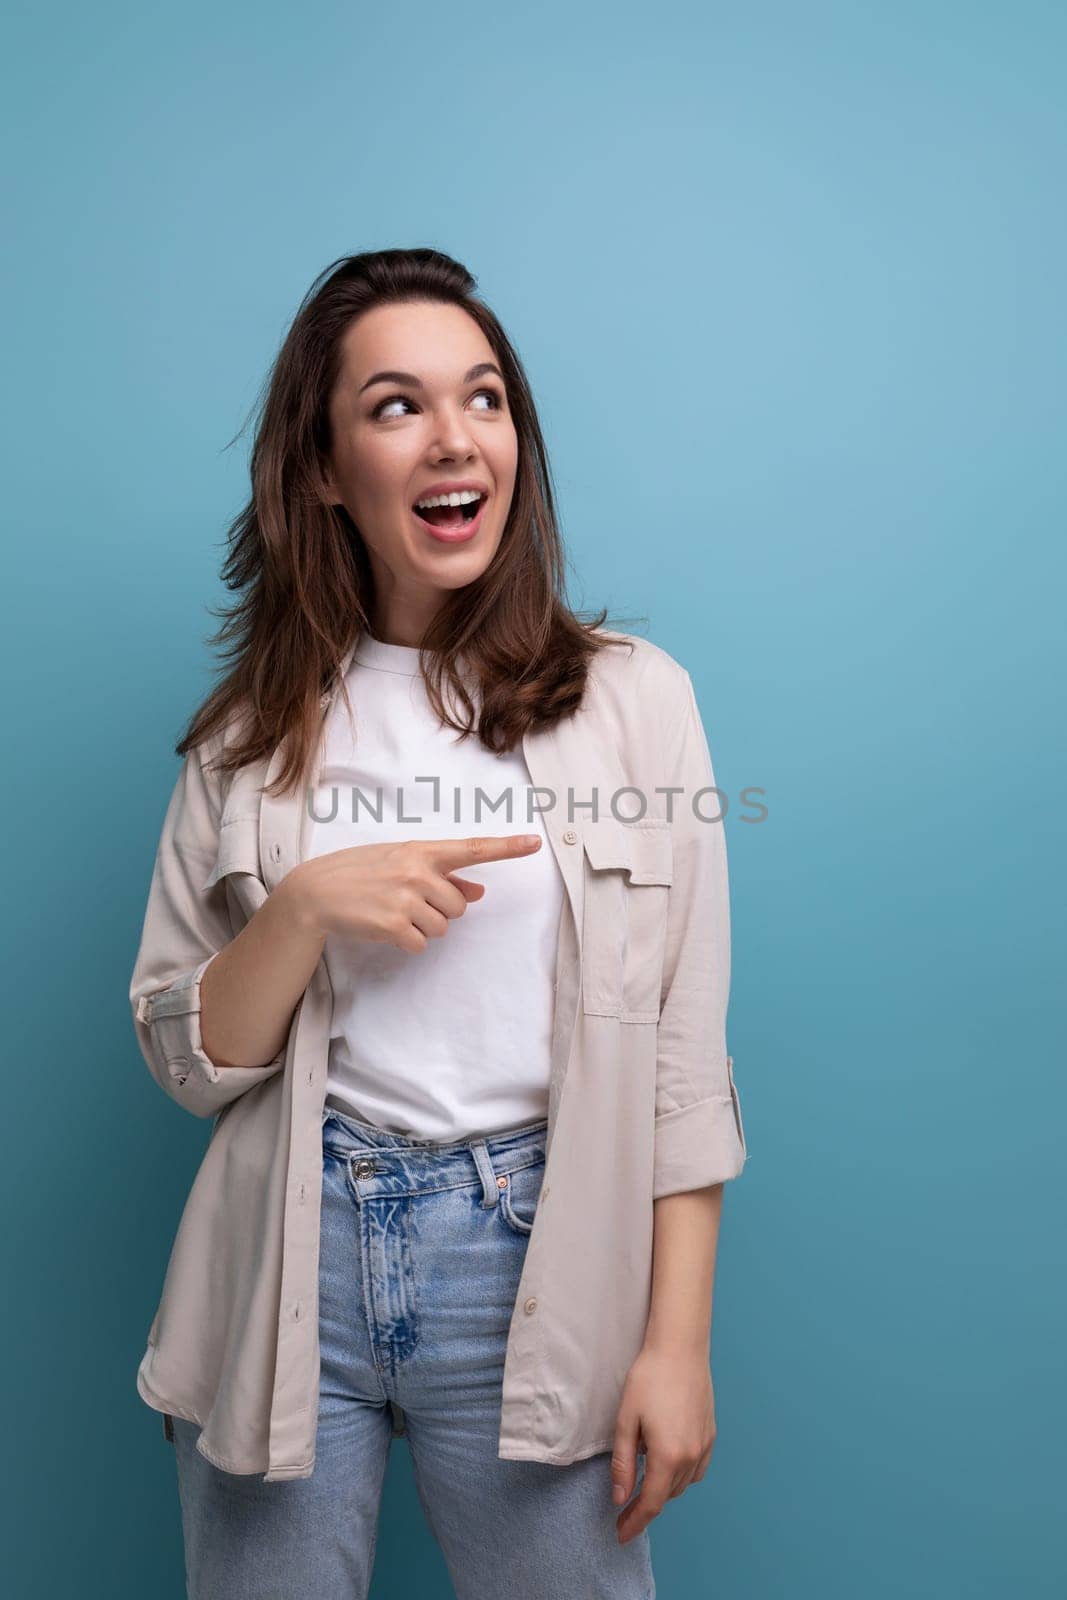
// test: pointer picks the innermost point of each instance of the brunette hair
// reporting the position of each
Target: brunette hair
(301, 571)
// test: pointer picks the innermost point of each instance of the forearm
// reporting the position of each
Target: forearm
(249, 992)
(685, 1243)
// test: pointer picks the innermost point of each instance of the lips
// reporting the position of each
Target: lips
(456, 529)
(450, 486)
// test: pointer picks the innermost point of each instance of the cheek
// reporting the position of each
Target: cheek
(507, 468)
(502, 458)
(379, 474)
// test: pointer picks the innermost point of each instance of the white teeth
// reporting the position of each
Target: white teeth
(462, 497)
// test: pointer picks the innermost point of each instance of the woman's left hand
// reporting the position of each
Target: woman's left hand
(668, 1410)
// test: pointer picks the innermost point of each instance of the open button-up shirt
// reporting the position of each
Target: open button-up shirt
(642, 1100)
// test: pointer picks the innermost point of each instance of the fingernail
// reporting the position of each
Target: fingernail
(618, 1494)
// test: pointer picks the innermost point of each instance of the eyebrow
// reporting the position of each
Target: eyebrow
(412, 382)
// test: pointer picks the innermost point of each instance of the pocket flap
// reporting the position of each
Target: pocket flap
(642, 849)
(238, 849)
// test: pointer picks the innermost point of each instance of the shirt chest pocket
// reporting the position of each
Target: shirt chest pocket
(624, 920)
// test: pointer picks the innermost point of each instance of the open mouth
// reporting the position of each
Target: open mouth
(449, 519)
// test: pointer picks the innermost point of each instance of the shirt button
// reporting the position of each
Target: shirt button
(531, 1304)
(570, 837)
(544, 1192)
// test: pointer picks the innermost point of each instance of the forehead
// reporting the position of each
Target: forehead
(435, 342)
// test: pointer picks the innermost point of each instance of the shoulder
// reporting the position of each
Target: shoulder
(636, 675)
(637, 698)
(207, 756)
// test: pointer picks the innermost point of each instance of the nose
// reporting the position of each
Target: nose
(454, 438)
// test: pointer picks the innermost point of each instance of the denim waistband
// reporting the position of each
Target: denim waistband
(352, 1132)
(430, 1164)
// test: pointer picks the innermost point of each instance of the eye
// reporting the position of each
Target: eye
(391, 400)
(378, 414)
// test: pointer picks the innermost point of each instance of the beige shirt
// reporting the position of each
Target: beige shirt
(642, 1100)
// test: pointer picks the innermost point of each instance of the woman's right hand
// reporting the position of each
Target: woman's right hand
(402, 893)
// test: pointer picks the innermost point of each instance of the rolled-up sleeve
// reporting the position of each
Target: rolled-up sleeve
(699, 1136)
(185, 927)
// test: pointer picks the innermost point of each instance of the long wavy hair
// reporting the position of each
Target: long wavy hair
(300, 568)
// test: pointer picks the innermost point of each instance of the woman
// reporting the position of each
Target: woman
(466, 1066)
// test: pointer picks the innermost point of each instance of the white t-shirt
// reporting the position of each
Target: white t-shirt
(455, 1041)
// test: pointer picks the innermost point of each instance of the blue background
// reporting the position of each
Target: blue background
(788, 281)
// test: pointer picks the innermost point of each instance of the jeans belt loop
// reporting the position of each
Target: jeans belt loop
(482, 1160)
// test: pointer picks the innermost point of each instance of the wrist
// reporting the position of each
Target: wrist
(293, 904)
(678, 1344)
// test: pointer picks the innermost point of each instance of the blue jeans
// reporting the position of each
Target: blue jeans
(422, 1244)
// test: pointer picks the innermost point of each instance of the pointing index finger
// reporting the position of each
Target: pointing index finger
(471, 851)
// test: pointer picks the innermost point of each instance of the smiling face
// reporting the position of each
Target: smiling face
(439, 417)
